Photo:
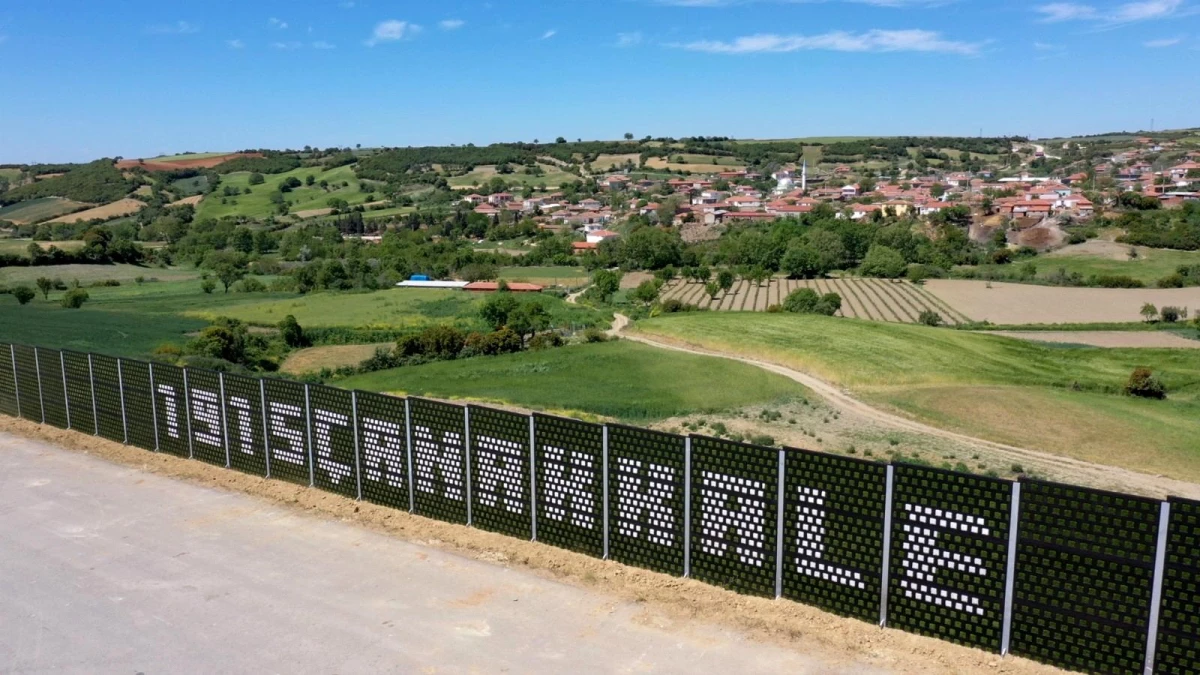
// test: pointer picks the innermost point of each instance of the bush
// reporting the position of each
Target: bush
(250, 285)
(442, 342)
(208, 285)
(1173, 314)
(292, 333)
(23, 294)
(546, 341)
(593, 335)
(930, 318)
(1143, 384)
(74, 298)
(762, 439)
(1115, 281)
(806, 301)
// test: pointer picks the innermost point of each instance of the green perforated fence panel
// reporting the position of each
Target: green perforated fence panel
(244, 425)
(1179, 613)
(949, 554)
(439, 460)
(500, 496)
(287, 431)
(28, 386)
(8, 383)
(54, 396)
(170, 409)
(138, 416)
(569, 462)
(79, 392)
(1085, 568)
(207, 420)
(833, 532)
(646, 498)
(734, 514)
(331, 418)
(108, 397)
(383, 446)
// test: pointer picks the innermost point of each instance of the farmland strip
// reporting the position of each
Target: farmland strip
(862, 309)
(876, 302)
(729, 297)
(823, 288)
(906, 291)
(951, 313)
(900, 305)
(693, 294)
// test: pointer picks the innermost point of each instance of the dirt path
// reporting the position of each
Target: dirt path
(1092, 474)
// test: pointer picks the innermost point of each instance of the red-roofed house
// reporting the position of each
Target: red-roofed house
(514, 286)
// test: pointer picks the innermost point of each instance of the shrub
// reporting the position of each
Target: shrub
(762, 439)
(545, 341)
(1116, 281)
(23, 294)
(806, 301)
(442, 342)
(292, 333)
(1173, 314)
(74, 298)
(1143, 384)
(208, 285)
(930, 318)
(1175, 280)
(250, 285)
(593, 335)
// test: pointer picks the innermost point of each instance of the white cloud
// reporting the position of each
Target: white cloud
(235, 44)
(629, 39)
(451, 24)
(177, 28)
(321, 44)
(277, 24)
(839, 41)
(1164, 42)
(1128, 12)
(294, 44)
(549, 34)
(391, 31)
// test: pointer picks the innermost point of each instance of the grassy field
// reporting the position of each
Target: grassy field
(86, 274)
(1151, 264)
(313, 359)
(10, 174)
(93, 329)
(622, 380)
(37, 210)
(1054, 399)
(258, 203)
(552, 177)
(21, 246)
(547, 276)
(186, 187)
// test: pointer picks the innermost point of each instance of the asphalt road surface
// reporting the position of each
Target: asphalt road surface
(106, 569)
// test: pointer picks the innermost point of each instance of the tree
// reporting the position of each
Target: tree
(560, 140)
(1143, 384)
(23, 294)
(74, 298)
(45, 285)
(883, 262)
(528, 318)
(628, 136)
(930, 318)
(607, 283)
(713, 289)
(830, 249)
(257, 179)
(292, 333)
(937, 190)
(497, 307)
(309, 180)
(1149, 312)
(725, 280)
(801, 261)
(443, 341)
(208, 285)
(807, 301)
(229, 266)
(646, 292)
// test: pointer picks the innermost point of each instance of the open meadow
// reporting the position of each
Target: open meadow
(38, 210)
(622, 380)
(88, 274)
(1108, 258)
(552, 176)
(569, 277)
(874, 299)
(21, 246)
(1011, 304)
(258, 203)
(1064, 401)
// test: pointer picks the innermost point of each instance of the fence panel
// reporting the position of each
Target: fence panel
(138, 416)
(948, 555)
(287, 431)
(54, 398)
(1085, 567)
(331, 418)
(105, 383)
(500, 496)
(79, 392)
(244, 424)
(383, 443)
(646, 498)
(8, 382)
(439, 460)
(833, 532)
(1179, 616)
(28, 386)
(569, 459)
(734, 514)
(170, 410)
(207, 421)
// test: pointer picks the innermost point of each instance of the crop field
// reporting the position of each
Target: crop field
(186, 187)
(622, 380)
(1010, 304)
(313, 359)
(37, 210)
(1064, 401)
(607, 162)
(547, 276)
(86, 274)
(204, 160)
(553, 176)
(123, 333)
(258, 202)
(117, 209)
(21, 246)
(698, 167)
(874, 299)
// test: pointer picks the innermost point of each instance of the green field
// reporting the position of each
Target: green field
(186, 187)
(1054, 399)
(547, 276)
(21, 246)
(622, 380)
(37, 210)
(1151, 264)
(89, 329)
(553, 176)
(86, 274)
(10, 174)
(258, 204)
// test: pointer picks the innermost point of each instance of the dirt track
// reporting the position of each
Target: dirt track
(667, 600)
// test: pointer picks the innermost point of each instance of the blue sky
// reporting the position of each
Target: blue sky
(90, 78)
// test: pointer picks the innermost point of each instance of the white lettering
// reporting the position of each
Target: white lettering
(206, 409)
(241, 414)
(923, 558)
(639, 492)
(293, 453)
(569, 480)
(810, 540)
(501, 473)
(731, 502)
(325, 421)
(171, 406)
(438, 462)
(383, 451)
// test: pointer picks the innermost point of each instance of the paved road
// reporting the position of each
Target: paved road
(105, 569)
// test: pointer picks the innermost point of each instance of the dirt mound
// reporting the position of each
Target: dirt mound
(175, 165)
